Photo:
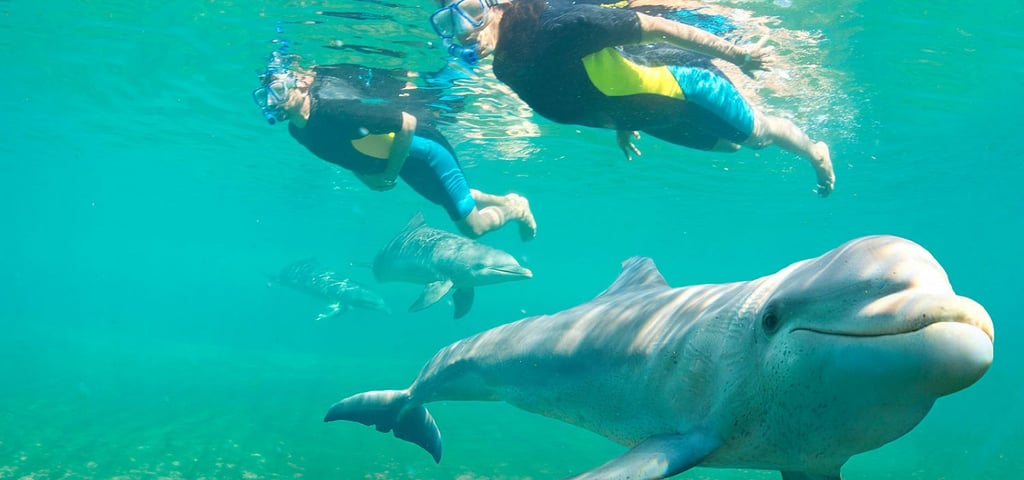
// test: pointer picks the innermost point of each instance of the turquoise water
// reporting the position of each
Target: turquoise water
(144, 199)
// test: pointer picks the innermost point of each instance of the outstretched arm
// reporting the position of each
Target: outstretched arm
(657, 29)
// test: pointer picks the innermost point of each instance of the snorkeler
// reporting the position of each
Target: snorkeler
(377, 126)
(564, 61)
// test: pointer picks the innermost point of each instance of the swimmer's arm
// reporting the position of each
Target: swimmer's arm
(657, 29)
(399, 151)
(368, 180)
(400, 147)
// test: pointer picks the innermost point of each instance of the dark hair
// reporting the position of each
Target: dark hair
(519, 25)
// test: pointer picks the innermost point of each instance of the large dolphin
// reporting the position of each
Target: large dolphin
(310, 277)
(442, 261)
(796, 371)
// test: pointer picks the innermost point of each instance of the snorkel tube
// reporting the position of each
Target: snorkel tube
(467, 54)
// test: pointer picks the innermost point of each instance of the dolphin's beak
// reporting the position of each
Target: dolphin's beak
(952, 336)
(512, 271)
(939, 341)
(919, 311)
(973, 314)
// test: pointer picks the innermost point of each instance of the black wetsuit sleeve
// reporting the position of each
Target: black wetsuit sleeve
(355, 119)
(588, 28)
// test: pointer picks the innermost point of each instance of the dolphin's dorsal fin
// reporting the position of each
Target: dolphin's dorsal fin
(637, 273)
(415, 222)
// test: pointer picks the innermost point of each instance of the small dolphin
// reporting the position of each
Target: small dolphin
(442, 261)
(310, 277)
(796, 371)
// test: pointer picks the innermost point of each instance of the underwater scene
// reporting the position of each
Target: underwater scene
(190, 291)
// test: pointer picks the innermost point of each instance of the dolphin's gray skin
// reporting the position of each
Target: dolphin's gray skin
(442, 261)
(310, 277)
(796, 371)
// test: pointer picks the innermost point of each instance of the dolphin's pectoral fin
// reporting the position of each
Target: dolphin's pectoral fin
(809, 476)
(657, 457)
(336, 309)
(389, 410)
(432, 292)
(463, 298)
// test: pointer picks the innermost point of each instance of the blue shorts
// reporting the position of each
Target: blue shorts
(434, 172)
(715, 109)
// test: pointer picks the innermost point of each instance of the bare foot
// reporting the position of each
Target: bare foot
(822, 164)
(520, 207)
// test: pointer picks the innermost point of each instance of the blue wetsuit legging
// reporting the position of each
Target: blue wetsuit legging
(732, 118)
(433, 172)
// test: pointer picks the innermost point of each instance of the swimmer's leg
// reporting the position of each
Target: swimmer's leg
(494, 211)
(433, 172)
(724, 112)
(785, 134)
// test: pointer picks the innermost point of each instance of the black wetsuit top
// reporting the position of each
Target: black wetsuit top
(352, 103)
(545, 67)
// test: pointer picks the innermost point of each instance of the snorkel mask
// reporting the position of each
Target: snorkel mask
(277, 80)
(460, 19)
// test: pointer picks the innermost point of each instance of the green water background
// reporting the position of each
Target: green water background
(143, 199)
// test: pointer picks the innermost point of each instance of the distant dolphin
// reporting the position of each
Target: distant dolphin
(442, 261)
(310, 277)
(796, 371)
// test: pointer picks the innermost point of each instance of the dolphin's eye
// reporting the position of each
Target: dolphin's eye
(770, 322)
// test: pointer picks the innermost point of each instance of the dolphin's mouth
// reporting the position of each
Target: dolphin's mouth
(838, 333)
(909, 312)
(985, 327)
(512, 272)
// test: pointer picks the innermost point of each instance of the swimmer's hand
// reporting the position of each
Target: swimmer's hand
(823, 189)
(757, 57)
(625, 139)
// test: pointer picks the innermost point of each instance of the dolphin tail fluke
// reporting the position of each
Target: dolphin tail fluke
(463, 299)
(389, 410)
